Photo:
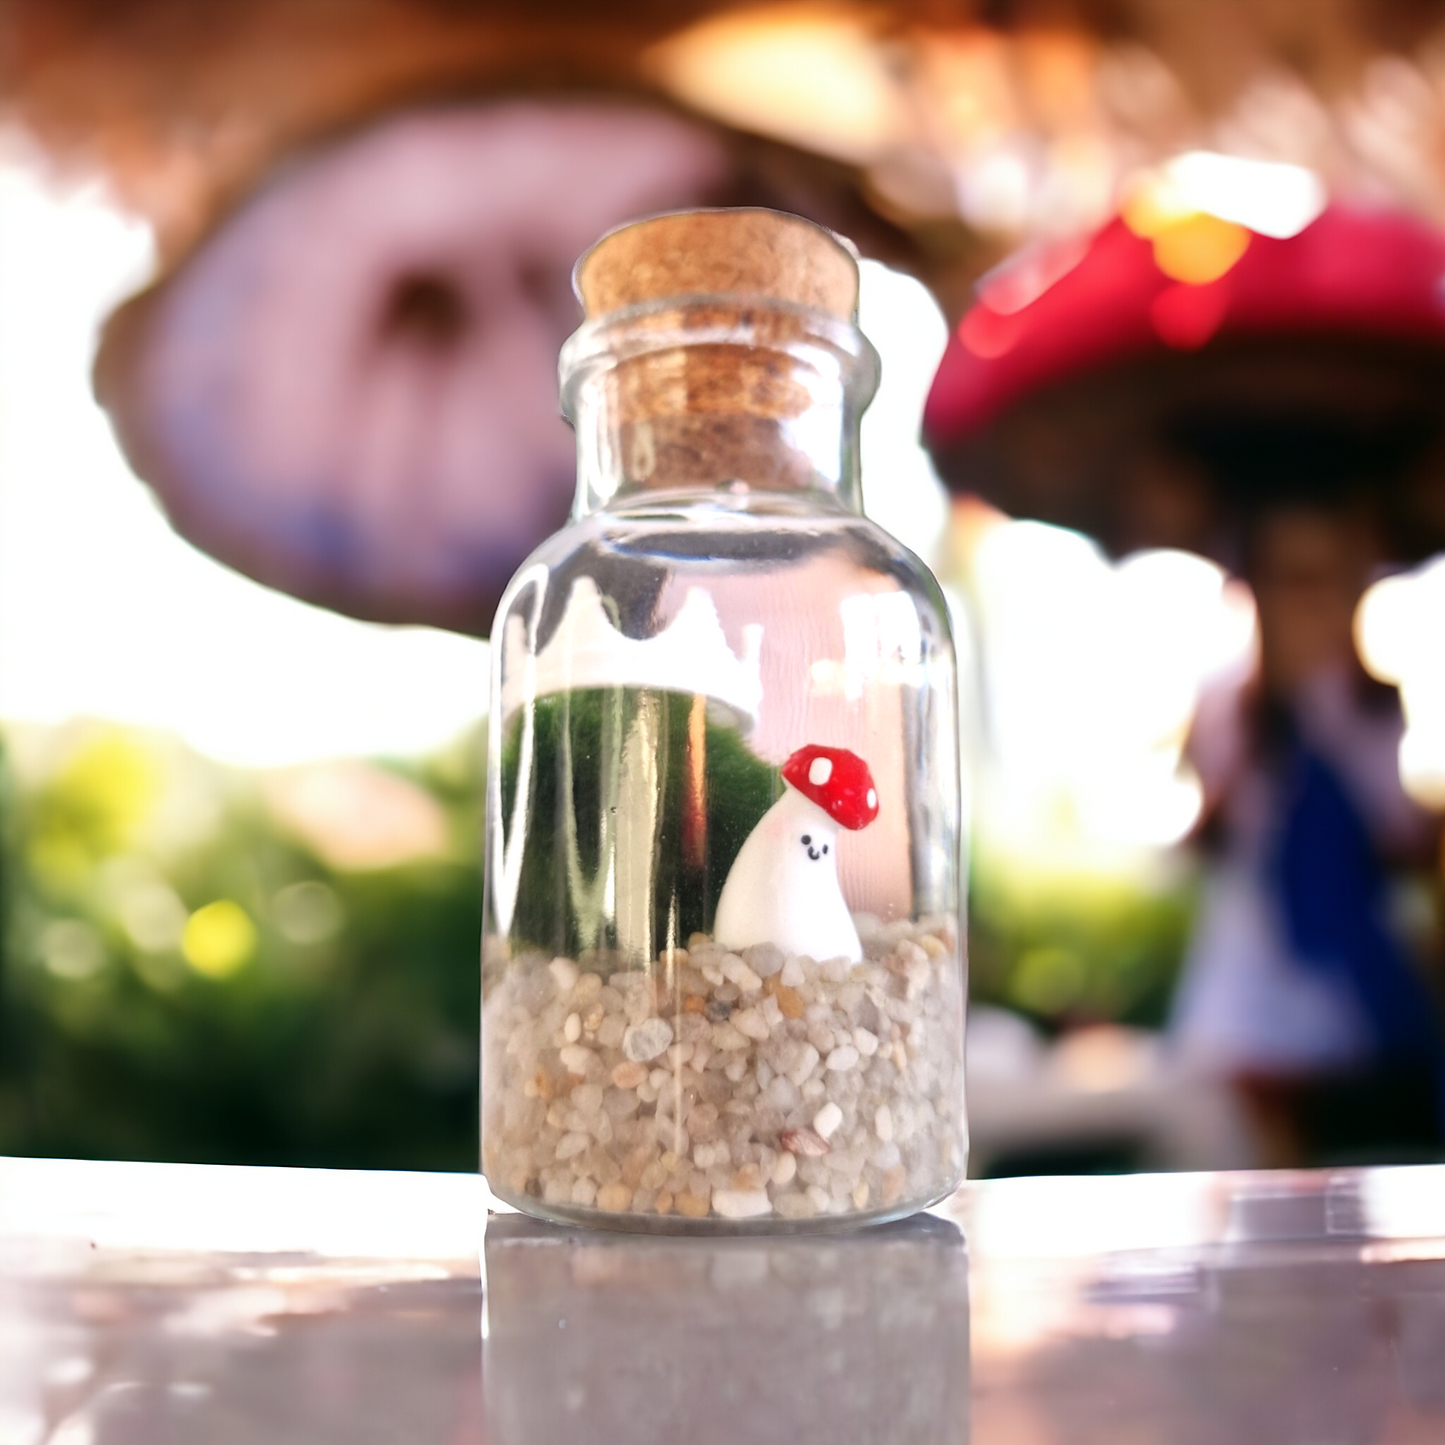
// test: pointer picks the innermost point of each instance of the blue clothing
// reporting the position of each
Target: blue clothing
(1333, 886)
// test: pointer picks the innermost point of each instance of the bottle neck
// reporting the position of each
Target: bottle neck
(717, 394)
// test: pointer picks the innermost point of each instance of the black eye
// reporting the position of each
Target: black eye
(807, 838)
(825, 847)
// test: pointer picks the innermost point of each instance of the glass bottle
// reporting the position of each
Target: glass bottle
(722, 964)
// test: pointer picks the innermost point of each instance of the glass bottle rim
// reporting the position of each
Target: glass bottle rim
(603, 342)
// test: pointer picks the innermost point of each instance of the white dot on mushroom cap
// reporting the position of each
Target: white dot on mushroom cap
(819, 771)
(872, 797)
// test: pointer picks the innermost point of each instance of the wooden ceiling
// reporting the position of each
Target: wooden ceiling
(183, 105)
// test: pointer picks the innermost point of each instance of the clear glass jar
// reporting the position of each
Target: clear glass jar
(722, 968)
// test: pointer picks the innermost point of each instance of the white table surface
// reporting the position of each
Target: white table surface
(158, 1303)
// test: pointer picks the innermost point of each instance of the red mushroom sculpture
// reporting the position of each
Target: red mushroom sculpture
(783, 885)
(1092, 388)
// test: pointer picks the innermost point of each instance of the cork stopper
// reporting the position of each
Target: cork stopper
(743, 252)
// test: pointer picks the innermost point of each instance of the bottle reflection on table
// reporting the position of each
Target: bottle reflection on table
(603, 1337)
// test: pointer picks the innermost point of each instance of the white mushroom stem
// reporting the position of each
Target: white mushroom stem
(785, 891)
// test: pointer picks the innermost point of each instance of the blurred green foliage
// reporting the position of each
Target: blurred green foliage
(196, 967)
(1076, 950)
(185, 975)
(713, 791)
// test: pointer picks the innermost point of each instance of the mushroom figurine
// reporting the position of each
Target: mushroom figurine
(783, 885)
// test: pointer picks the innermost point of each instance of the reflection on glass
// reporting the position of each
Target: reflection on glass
(606, 1338)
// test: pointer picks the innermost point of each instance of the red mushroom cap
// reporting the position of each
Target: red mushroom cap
(837, 781)
(1352, 272)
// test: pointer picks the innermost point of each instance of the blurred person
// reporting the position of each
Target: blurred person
(1295, 987)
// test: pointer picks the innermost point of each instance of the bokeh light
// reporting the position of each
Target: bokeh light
(901, 491)
(1092, 674)
(1267, 197)
(218, 938)
(810, 73)
(1399, 627)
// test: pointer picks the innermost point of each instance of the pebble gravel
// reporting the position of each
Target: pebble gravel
(727, 1087)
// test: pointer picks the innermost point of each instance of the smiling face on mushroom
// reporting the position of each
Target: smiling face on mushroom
(783, 885)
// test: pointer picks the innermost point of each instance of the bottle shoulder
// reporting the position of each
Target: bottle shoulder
(705, 538)
(644, 570)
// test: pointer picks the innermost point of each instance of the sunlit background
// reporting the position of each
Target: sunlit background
(106, 614)
(1094, 667)
(218, 786)
(104, 611)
